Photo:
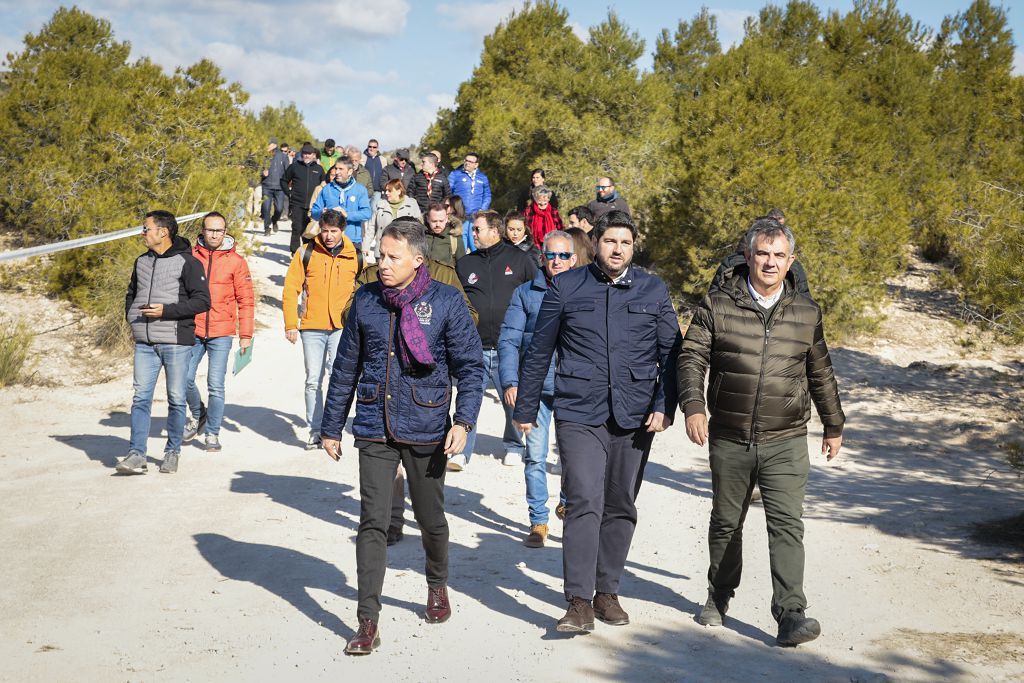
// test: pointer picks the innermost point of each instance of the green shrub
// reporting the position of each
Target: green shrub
(15, 343)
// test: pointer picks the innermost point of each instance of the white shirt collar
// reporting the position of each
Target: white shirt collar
(765, 302)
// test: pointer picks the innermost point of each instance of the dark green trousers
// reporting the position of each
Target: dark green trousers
(780, 471)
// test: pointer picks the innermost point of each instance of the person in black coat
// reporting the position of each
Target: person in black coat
(429, 184)
(617, 337)
(299, 181)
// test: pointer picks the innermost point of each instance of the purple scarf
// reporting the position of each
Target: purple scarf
(413, 349)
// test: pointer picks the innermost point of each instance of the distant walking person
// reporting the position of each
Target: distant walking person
(764, 344)
(405, 337)
(429, 185)
(346, 196)
(273, 195)
(617, 337)
(317, 289)
(232, 312)
(167, 291)
(473, 187)
(299, 181)
(607, 199)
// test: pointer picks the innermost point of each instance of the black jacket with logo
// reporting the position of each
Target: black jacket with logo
(300, 180)
(489, 277)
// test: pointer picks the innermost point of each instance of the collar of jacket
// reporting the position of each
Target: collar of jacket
(227, 245)
(735, 285)
(348, 183)
(179, 245)
(345, 249)
(610, 198)
(605, 278)
(540, 280)
(493, 249)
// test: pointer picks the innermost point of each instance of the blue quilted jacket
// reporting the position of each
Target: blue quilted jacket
(391, 403)
(517, 333)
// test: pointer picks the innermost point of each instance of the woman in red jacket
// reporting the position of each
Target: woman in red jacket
(542, 216)
(232, 311)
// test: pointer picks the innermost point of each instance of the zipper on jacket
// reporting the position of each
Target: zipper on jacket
(764, 359)
(149, 298)
(209, 279)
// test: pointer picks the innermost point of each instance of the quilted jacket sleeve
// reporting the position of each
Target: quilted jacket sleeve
(694, 359)
(348, 365)
(822, 383)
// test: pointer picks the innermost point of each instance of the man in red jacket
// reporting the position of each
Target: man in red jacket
(232, 311)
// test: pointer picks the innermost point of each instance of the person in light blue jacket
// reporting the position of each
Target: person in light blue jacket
(473, 187)
(516, 335)
(346, 195)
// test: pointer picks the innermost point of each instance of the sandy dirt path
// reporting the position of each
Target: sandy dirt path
(242, 565)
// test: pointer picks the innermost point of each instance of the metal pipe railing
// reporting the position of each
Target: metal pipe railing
(82, 241)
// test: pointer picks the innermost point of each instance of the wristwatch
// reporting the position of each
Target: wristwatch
(465, 425)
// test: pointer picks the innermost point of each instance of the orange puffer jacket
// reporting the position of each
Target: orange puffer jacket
(233, 306)
(330, 282)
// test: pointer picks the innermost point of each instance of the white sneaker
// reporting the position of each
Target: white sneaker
(457, 463)
(512, 459)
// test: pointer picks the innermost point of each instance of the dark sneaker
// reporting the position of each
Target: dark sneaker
(133, 463)
(194, 426)
(560, 511)
(608, 609)
(394, 534)
(266, 233)
(795, 628)
(579, 618)
(538, 534)
(212, 443)
(438, 607)
(366, 639)
(713, 613)
(313, 443)
(170, 463)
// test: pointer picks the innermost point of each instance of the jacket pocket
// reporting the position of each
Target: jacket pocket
(366, 392)
(713, 393)
(642, 318)
(644, 372)
(430, 397)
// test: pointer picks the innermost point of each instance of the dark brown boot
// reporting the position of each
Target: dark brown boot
(608, 609)
(438, 608)
(366, 639)
(579, 618)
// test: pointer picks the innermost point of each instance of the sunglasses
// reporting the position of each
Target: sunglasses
(372, 147)
(561, 255)
(603, 187)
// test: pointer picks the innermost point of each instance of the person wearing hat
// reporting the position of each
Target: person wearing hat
(399, 169)
(273, 197)
(299, 181)
(329, 154)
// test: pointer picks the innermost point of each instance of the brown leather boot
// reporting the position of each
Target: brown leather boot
(538, 534)
(608, 609)
(366, 639)
(438, 608)
(579, 618)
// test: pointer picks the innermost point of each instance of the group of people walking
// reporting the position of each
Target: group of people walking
(408, 312)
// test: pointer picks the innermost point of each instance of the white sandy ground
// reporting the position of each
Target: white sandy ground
(242, 565)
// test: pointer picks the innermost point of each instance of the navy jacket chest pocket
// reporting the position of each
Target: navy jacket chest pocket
(642, 319)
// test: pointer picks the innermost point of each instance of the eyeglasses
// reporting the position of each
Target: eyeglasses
(213, 232)
(372, 147)
(471, 161)
(145, 230)
(603, 187)
(561, 255)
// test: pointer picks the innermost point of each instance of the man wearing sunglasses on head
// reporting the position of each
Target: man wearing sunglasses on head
(617, 337)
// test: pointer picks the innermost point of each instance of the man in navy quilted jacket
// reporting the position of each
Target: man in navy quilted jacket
(405, 337)
(617, 338)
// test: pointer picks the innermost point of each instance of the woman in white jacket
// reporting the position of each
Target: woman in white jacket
(394, 205)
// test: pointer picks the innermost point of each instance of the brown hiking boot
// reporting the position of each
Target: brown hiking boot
(538, 534)
(366, 639)
(608, 609)
(438, 608)
(579, 618)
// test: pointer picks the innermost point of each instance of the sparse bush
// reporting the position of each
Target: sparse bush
(15, 341)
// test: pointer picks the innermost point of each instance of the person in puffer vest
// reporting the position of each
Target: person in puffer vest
(232, 311)
(167, 290)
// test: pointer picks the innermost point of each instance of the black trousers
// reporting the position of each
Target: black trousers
(425, 469)
(300, 219)
(602, 468)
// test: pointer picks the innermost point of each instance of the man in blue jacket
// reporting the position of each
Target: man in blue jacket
(346, 195)
(406, 336)
(472, 185)
(617, 338)
(516, 335)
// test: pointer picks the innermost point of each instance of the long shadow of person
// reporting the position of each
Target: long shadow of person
(101, 448)
(271, 424)
(325, 500)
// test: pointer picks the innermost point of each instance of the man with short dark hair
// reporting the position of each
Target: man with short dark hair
(300, 181)
(405, 337)
(490, 275)
(617, 336)
(273, 196)
(429, 184)
(349, 197)
(329, 154)
(167, 290)
(581, 217)
(374, 164)
(764, 344)
(473, 186)
(607, 199)
(444, 247)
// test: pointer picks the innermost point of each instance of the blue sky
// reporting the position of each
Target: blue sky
(373, 68)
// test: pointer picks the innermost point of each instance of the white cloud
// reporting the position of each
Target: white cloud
(730, 25)
(395, 120)
(478, 18)
(580, 30)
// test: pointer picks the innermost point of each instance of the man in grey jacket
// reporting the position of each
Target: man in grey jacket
(273, 195)
(167, 290)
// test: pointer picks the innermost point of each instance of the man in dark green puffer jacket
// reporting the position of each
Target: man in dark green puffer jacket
(763, 342)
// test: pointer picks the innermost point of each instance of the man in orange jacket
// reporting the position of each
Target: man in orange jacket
(323, 272)
(232, 311)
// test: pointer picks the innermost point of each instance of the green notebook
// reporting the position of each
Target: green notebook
(243, 358)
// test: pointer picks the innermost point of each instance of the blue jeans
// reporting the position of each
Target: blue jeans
(272, 199)
(149, 358)
(318, 349)
(219, 349)
(467, 236)
(511, 439)
(536, 463)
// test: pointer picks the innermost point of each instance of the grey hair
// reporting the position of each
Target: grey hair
(560, 234)
(539, 190)
(768, 228)
(345, 161)
(411, 231)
